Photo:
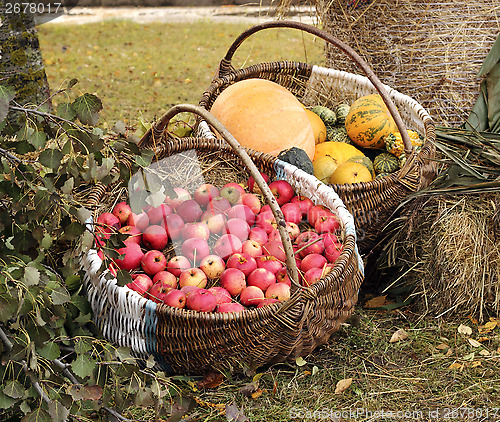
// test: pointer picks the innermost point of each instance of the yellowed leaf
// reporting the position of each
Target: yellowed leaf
(475, 364)
(307, 372)
(455, 366)
(257, 394)
(489, 326)
(377, 302)
(484, 352)
(474, 343)
(343, 385)
(465, 330)
(398, 336)
(483, 339)
(442, 346)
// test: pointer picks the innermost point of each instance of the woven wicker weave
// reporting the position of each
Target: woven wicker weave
(372, 203)
(196, 342)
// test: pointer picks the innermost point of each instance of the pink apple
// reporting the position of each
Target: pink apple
(280, 291)
(312, 276)
(243, 262)
(195, 249)
(189, 211)
(178, 264)
(193, 277)
(230, 307)
(269, 262)
(252, 248)
(237, 227)
(140, 283)
(201, 300)
(155, 237)
(276, 249)
(165, 277)
(122, 211)
(252, 201)
(283, 277)
(213, 266)
(261, 278)
(173, 224)
(141, 221)
(266, 221)
(153, 262)
(196, 229)
(252, 185)
(187, 290)
(236, 186)
(243, 212)
(327, 223)
(259, 235)
(265, 208)
(158, 214)
(226, 245)
(329, 239)
(205, 193)
(107, 222)
(314, 212)
(282, 190)
(132, 257)
(333, 251)
(274, 235)
(309, 242)
(251, 296)
(304, 203)
(292, 212)
(175, 298)
(182, 195)
(158, 292)
(231, 193)
(215, 221)
(266, 302)
(221, 294)
(313, 260)
(233, 280)
(133, 233)
(219, 204)
(293, 230)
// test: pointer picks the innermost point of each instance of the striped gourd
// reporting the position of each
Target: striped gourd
(341, 111)
(369, 122)
(394, 143)
(337, 134)
(328, 116)
(380, 175)
(385, 162)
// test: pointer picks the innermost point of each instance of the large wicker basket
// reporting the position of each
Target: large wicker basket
(196, 342)
(372, 203)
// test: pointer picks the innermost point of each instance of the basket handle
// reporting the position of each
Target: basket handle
(225, 66)
(156, 133)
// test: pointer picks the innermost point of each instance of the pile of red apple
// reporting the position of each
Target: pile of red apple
(229, 253)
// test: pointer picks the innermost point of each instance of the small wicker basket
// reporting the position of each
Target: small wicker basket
(196, 342)
(372, 203)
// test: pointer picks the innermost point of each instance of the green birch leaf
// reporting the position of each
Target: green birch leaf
(14, 389)
(4, 109)
(24, 240)
(72, 83)
(5, 401)
(87, 107)
(73, 230)
(58, 412)
(50, 351)
(38, 139)
(60, 295)
(31, 276)
(51, 158)
(38, 415)
(83, 366)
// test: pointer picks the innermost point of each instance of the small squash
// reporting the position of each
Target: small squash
(337, 134)
(341, 111)
(369, 122)
(385, 162)
(394, 143)
(340, 151)
(318, 127)
(298, 158)
(365, 161)
(351, 172)
(327, 115)
(324, 167)
(264, 116)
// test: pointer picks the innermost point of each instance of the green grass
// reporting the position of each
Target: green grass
(140, 70)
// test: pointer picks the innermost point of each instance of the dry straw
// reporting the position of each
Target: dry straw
(428, 49)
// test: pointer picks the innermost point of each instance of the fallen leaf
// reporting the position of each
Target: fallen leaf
(300, 361)
(307, 372)
(249, 389)
(489, 326)
(235, 414)
(442, 346)
(449, 352)
(483, 339)
(470, 356)
(211, 380)
(256, 394)
(343, 385)
(399, 336)
(465, 330)
(484, 352)
(474, 343)
(475, 364)
(455, 366)
(377, 302)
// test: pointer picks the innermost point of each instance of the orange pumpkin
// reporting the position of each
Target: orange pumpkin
(264, 116)
(369, 122)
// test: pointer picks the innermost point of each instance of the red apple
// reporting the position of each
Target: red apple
(201, 300)
(212, 266)
(219, 204)
(215, 221)
(187, 290)
(178, 264)
(231, 193)
(265, 208)
(233, 280)
(261, 278)
(132, 257)
(315, 212)
(252, 185)
(266, 302)
(230, 307)
(226, 245)
(173, 224)
(140, 283)
(259, 235)
(197, 229)
(309, 242)
(282, 190)
(153, 261)
(107, 222)
(205, 193)
(327, 223)
(280, 291)
(266, 221)
(236, 186)
(329, 239)
(313, 260)
(122, 211)
(276, 249)
(243, 262)
(252, 248)
(293, 230)
(237, 227)
(304, 203)
(165, 277)
(155, 237)
(282, 277)
(269, 262)
(189, 211)
(141, 221)
(252, 201)
(292, 212)
(221, 294)
(251, 296)
(195, 249)
(193, 277)
(312, 276)
(158, 214)
(158, 292)
(333, 251)
(242, 212)
(175, 298)
(182, 195)
(133, 233)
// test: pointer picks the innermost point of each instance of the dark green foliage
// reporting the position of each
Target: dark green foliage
(298, 158)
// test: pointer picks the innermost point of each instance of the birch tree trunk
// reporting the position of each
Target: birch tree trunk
(21, 65)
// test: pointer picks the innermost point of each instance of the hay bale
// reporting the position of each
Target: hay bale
(430, 50)
(452, 247)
